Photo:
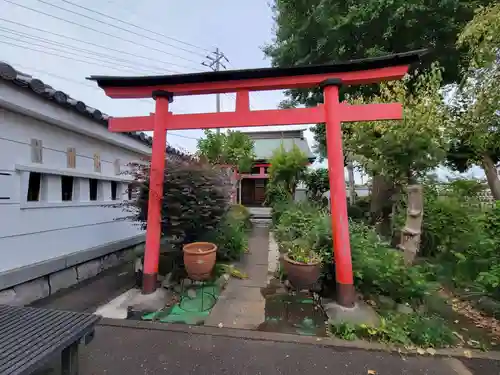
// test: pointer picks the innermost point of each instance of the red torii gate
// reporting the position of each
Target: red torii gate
(330, 77)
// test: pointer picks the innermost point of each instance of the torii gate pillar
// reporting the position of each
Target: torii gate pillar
(346, 295)
(153, 232)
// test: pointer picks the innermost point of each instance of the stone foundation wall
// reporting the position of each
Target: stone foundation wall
(28, 292)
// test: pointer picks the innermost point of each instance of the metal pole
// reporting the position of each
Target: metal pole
(338, 202)
(218, 56)
(215, 63)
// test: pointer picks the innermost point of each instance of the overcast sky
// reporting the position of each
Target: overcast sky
(239, 28)
(192, 28)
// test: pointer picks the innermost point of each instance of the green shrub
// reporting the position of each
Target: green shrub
(360, 210)
(276, 194)
(320, 236)
(401, 329)
(448, 225)
(486, 259)
(277, 210)
(463, 239)
(295, 221)
(195, 199)
(380, 269)
(231, 238)
(241, 214)
(317, 183)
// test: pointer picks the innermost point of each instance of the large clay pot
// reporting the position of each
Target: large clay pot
(301, 275)
(199, 259)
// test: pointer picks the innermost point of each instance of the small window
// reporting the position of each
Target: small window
(255, 170)
(114, 188)
(93, 183)
(131, 192)
(34, 184)
(67, 188)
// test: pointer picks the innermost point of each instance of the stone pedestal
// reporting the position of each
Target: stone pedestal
(361, 313)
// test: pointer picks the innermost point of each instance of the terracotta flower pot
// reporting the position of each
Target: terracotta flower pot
(301, 275)
(199, 259)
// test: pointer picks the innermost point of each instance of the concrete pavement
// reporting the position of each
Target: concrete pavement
(125, 350)
(241, 304)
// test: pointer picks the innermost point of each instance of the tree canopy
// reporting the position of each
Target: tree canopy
(403, 150)
(317, 183)
(288, 168)
(476, 102)
(234, 148)
(321, 31)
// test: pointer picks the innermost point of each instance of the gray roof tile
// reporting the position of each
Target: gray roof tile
(26, 81)
(264, 148)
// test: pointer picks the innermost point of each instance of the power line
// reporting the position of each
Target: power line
(64, 78)
(107, 56)
(57, 55)
(111, 57)
(88, 85)
(136, 26)
(135, 69)
(94, 44)
(182, 136)
(99, 31)
(121, 28)
(56, 76)
(94, 88)
(256, 93)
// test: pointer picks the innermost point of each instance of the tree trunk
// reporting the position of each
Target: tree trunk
(492, 176)
(351, 182)
(293, 188)
(381, 205)
(410, 234)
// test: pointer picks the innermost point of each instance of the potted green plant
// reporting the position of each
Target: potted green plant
(302, 265)
(199, 260)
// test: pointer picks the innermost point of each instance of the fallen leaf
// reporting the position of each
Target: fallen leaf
(431, 351)
(473, 343)
(468, 353)
(459, 336)
(372, 372)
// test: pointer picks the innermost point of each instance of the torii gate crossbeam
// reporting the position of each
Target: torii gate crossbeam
(330, 77)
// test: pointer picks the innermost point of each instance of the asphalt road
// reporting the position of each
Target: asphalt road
(123, 350)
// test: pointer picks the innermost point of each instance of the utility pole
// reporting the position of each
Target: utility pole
(215, 63)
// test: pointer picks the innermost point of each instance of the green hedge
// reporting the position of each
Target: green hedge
(378, 268)
(231, 234)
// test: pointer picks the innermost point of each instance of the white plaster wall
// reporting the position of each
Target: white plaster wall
(38, 233)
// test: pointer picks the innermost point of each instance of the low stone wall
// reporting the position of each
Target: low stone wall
(30, 291)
